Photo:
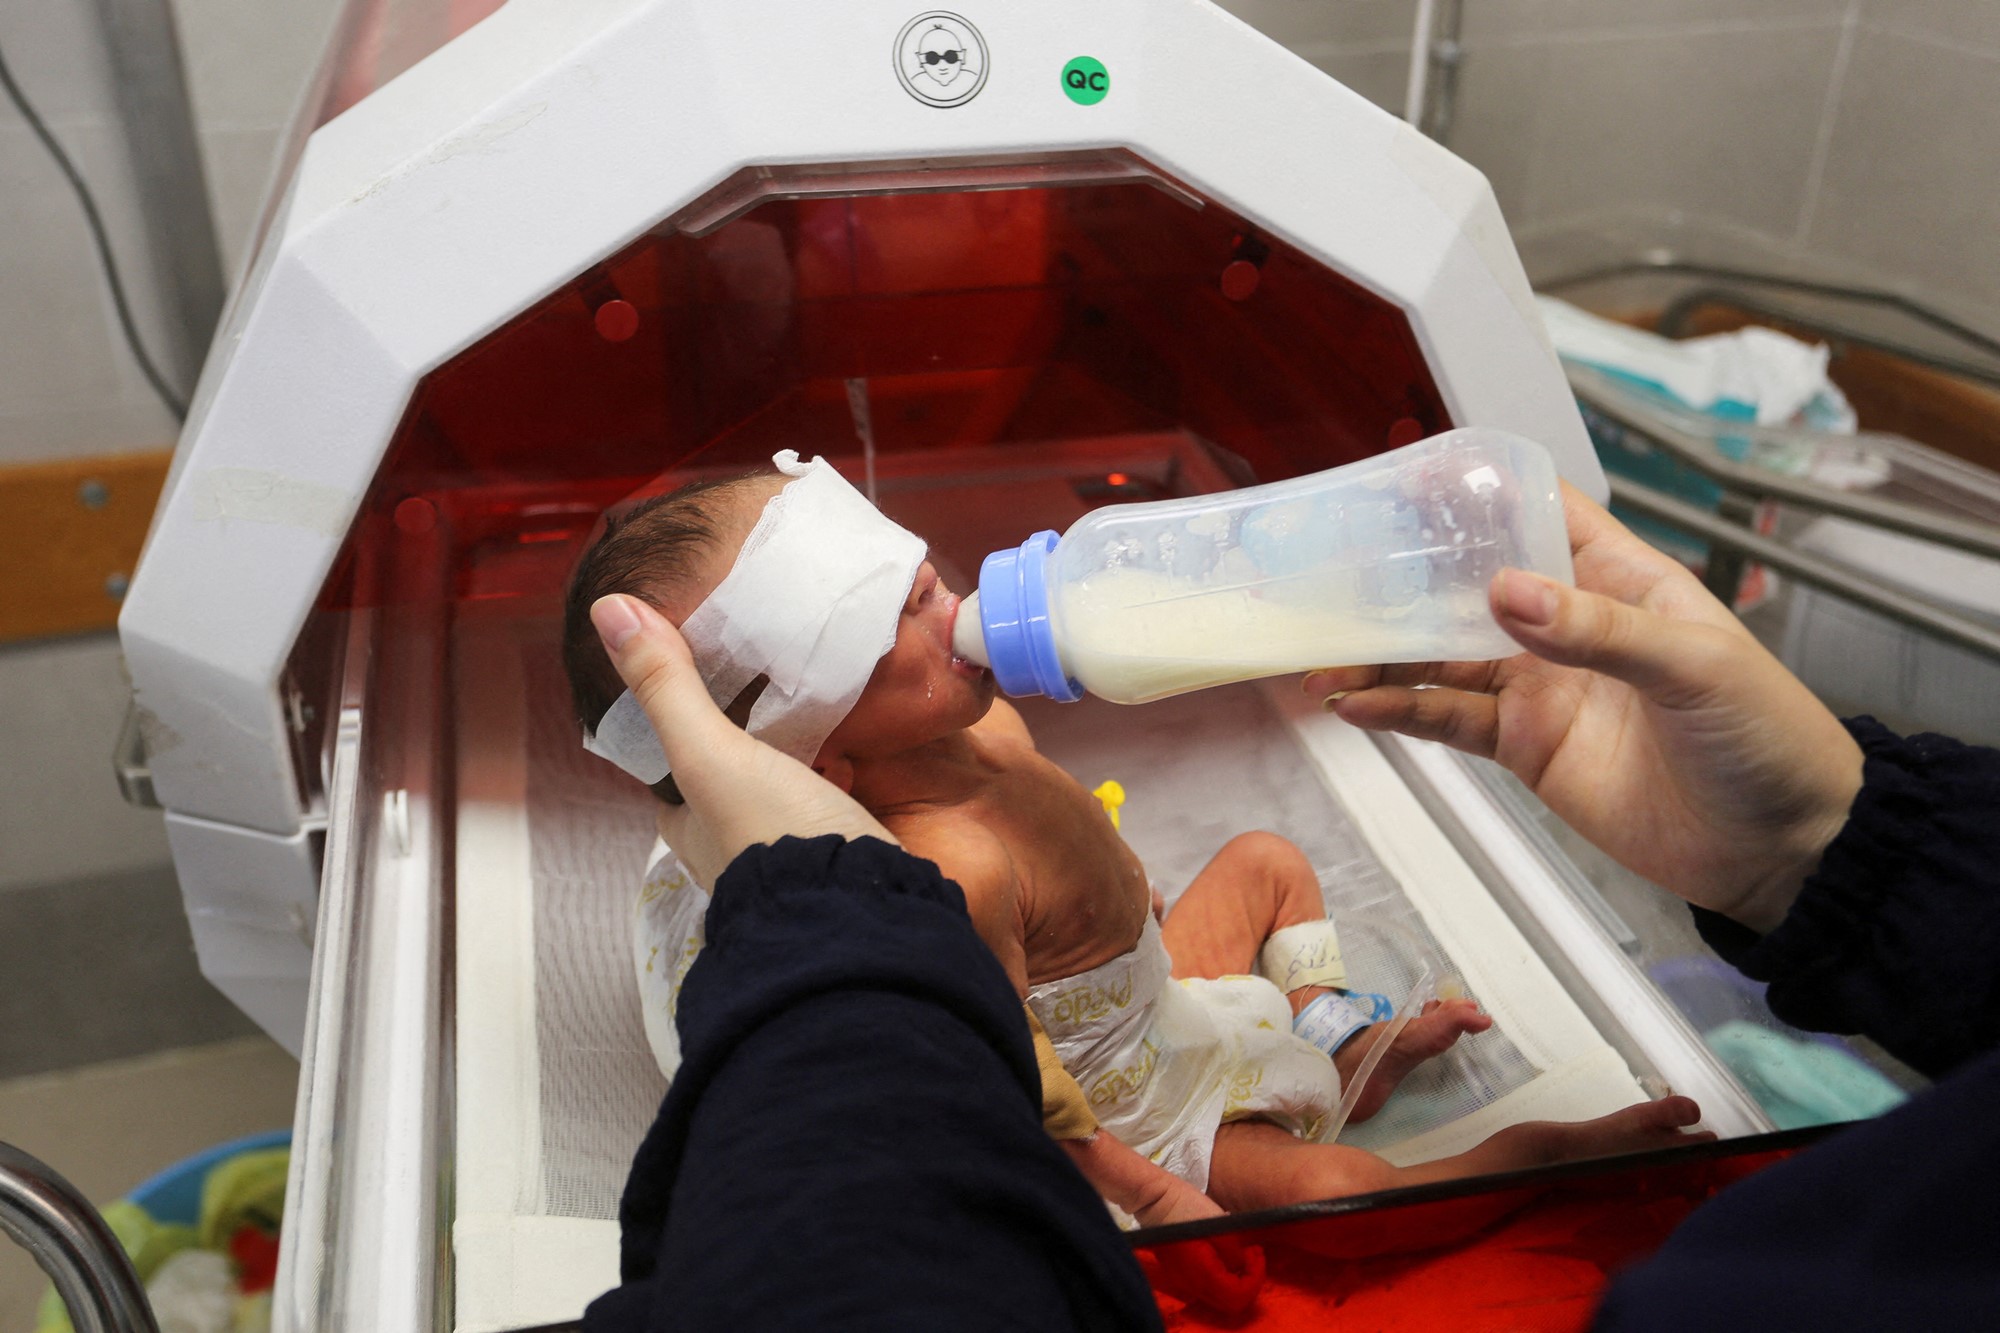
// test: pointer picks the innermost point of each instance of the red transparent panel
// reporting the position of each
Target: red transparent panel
(973, 319)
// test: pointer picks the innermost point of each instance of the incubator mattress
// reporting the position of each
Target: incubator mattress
(556, 1084)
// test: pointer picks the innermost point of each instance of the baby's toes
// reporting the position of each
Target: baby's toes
(1459, 1016)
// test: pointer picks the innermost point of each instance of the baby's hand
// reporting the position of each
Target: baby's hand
(1177, 1201)
(1146, 1190)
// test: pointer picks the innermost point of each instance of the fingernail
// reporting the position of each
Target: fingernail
(1528, 599)
(615, 619)
(1334, 698)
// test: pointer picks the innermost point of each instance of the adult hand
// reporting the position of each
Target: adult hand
(1645, 715)
(739, 791)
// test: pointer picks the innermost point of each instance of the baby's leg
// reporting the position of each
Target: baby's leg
(1256, 884)
(1260, 883)
(1258, 1165)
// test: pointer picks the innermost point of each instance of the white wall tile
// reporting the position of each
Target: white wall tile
(1721, 125)
(60, 348)
(125, 423)
(1911, 182)
(247, 60)
(1544, 20)
(61, 817)
(56, 51)
(238, 164)
(1965, 24)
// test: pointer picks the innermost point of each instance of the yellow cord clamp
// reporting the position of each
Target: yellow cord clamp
(1110, 795)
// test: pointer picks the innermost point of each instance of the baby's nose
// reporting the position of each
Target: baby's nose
(920, 588)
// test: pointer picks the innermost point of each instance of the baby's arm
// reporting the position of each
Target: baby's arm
(1151, 1193)
(978, 862)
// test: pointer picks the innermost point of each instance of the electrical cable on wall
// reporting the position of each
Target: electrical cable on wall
(106, 261)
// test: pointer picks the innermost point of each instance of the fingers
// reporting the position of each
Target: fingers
(1613, 560)
(1672, 662)
(654, 662)
(1458, 718)
(1479, 677)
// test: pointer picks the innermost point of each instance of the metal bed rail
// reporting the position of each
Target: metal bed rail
(1697, 451)
(1744, 485)
(55, 1223)
(1673, 320)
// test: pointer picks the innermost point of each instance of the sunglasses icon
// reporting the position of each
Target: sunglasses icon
(948, 57)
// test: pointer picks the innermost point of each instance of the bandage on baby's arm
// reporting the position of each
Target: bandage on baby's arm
(1307, 954)
(1066, 1112)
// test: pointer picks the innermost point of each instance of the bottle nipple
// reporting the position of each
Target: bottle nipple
(968, 633)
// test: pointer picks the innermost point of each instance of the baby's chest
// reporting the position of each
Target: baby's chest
(1063, 845)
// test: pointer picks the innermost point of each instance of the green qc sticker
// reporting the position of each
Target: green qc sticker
(1085, 81)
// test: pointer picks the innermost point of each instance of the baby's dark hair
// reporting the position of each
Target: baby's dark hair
(646, 553)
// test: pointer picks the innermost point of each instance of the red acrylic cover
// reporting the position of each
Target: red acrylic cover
(976, 318)
(1529, 1253)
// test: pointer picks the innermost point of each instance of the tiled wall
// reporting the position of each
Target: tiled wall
(1850, 138)
(67, 385)
(68, 388)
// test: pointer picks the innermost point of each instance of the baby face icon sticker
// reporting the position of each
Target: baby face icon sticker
(941, 59)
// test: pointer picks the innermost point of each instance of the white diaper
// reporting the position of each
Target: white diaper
(668, 930)
(1164, 1062)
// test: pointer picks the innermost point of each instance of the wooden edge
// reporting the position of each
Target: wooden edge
(70, 533)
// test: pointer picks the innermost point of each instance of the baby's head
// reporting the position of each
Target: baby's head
(672, 550)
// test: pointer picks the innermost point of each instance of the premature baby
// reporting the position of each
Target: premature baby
(1185, 1055)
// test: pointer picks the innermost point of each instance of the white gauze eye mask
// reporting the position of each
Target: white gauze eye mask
(812, 603)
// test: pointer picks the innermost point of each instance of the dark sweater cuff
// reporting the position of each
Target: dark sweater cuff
(1889, 818)
(1892, 934)
(790, 874)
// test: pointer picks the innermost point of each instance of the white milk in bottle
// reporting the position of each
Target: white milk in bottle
(1383, 560)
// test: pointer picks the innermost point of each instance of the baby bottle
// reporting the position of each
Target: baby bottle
(1383, 560)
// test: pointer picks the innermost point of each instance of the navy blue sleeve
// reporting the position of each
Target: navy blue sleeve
(1889, 1224)
(854, 1137)
(1897, 934)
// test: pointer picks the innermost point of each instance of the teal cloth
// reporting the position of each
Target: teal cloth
(1801, 1082)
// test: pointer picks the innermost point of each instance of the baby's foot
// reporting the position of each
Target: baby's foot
(1430, 1032)
(1660, 1124)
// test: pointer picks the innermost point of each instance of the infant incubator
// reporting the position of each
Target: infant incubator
(525, 262)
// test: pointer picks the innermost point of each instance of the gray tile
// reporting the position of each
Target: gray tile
(81, 427)
(55, 49)
(1540, 20)
(247, 60)
(1967, 24)
(102, 969)
(57, 336)
(1379, 76)
(238, 165)
(1910, 184)
(63, 348)
(1313, 27)
(61, 817)
(1721, 125)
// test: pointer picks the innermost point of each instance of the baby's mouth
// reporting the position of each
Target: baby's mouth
(961, 664)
